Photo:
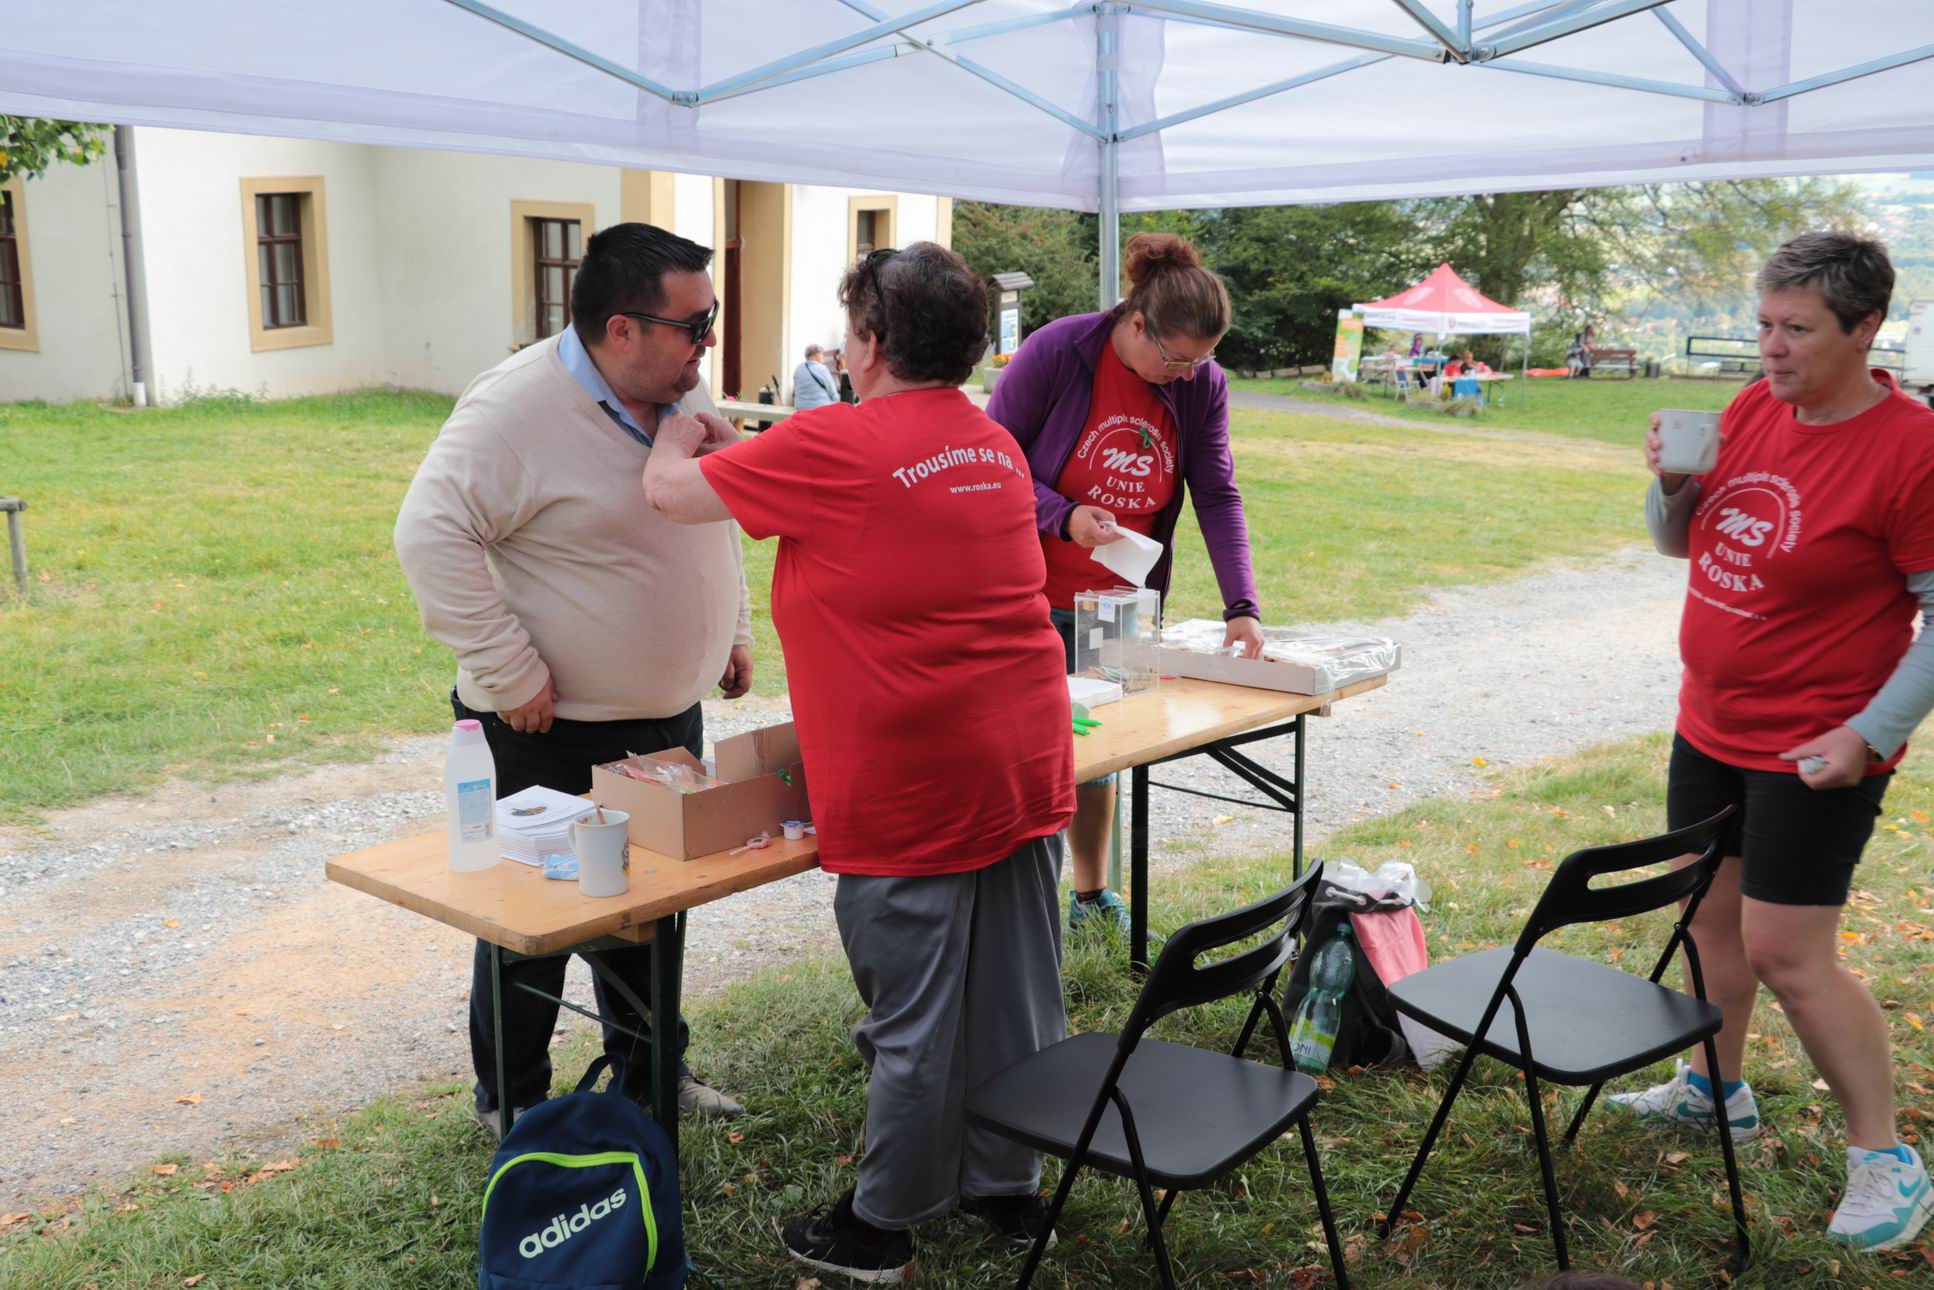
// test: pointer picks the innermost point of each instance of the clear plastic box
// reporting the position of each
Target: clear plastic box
(1116, 633)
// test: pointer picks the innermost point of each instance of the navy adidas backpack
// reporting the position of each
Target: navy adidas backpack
(583, 1194)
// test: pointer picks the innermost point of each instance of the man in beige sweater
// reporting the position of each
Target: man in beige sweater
(585, 625)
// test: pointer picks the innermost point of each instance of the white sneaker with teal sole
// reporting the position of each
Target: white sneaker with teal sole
(1677, 1102)
(1887, 1203)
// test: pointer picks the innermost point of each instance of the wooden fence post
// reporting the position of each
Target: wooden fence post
(16, 540)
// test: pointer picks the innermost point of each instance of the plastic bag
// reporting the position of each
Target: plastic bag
(1394, 879)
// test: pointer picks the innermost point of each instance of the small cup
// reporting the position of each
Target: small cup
(604, 855)
(1688, 441)
(793, 829)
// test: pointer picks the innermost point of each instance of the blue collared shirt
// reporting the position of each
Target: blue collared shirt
(577, 361)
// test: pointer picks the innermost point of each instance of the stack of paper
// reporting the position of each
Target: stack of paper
(536, 823)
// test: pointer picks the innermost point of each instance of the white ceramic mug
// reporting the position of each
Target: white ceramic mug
(603, 853)
(1688, 441)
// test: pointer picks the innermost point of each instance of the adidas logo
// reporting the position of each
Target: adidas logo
(561, 1229)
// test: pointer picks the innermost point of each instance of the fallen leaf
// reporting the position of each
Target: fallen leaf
(9, 1220)
(171, 922)
(733, 1135)
(194, 1280)
(68, 1016)
(1677, 1157)
(188, 1099)
(280, 1166)
(1478, 761)
(1852, 938)
(1821, 1085)
(1644, 1220)
(1524, 1228)
(1225, 819)
(68, 1121)
(1512, 843)
(1393, 784)
(165, 1171)
(806, 1283)
(1913, 1019)
(1609, 811)
(329, 1142)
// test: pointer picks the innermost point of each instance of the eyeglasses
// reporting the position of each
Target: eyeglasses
(697, 329)
(1178, 364)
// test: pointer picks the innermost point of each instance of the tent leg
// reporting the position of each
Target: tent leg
(1108, 89)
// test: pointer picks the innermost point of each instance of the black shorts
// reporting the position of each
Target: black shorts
(1798, 845)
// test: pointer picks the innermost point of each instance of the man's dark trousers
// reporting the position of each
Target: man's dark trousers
(562, 759)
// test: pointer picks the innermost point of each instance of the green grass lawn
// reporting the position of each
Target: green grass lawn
(389, 1197)
(215, 592)
(1611, 410)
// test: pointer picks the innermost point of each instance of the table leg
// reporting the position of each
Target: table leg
(1138, 861)
(1302, 796)
(505, 1112)
(667, 970)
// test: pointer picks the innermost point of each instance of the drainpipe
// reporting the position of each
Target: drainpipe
(130, 255)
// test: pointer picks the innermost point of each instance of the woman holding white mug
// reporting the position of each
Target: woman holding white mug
(1811, 542)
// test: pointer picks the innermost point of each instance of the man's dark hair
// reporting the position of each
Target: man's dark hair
(926, 308)
(623, 271)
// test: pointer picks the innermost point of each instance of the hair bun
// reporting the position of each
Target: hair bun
(1148, 254)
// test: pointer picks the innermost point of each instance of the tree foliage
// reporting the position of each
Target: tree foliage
(1570, 255)
(28, 145)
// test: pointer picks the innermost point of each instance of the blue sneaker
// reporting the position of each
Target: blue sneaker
(1887, 1203)
(1677, 1102)
(1106, 904)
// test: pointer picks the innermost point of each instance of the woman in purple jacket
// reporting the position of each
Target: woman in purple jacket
(1119, 413)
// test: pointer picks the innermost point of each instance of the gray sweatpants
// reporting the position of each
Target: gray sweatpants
(961, 974)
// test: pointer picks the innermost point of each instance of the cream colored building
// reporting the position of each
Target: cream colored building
(285, 267)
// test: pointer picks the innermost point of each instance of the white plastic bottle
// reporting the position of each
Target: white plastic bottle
(470, 797)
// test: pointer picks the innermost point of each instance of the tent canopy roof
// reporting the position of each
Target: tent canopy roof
(1445, 304)
(1159, 103)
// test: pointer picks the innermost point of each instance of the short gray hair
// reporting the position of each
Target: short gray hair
(812, 350)
(1852, 274)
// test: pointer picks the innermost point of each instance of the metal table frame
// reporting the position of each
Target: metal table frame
(667, 984)
(1285, 795)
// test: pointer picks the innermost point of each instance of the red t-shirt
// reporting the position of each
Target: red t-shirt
(928, 686)
(1124, 462)
(1797, 610)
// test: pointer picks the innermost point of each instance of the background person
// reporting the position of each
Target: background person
(813, 385)
(934, 721)
(1811, 544)
(1119, 414)
(584, 624)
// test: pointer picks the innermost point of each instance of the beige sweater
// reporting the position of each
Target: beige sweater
(532, 552)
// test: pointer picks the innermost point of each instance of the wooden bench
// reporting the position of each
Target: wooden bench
(1625, 360)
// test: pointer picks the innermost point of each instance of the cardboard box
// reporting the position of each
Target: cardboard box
(754, 797)
(1312, 677)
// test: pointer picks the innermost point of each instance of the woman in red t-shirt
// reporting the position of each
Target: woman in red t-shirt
(932, 708)
(1120, 413)
(1811, 543)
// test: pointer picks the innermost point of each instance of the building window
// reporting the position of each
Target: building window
(286, 232)
(870, 224)
(16, 272)
(555, 251)
(278, 241)
(546, 244)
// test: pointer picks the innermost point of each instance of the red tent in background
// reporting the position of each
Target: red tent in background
(1445, 305)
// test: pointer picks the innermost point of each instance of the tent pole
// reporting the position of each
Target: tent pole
(1108, 90)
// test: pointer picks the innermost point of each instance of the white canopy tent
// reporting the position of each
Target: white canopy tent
(1146, 105)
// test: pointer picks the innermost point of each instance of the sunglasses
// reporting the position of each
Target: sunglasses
(698, 329)
(1178, 364)
(872, 263)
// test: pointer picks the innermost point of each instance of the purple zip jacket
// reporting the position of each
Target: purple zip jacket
(1042, 399)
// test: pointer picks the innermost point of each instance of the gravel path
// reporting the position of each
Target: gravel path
(176, 975)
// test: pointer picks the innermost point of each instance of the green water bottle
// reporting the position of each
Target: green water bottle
(1312, 1036)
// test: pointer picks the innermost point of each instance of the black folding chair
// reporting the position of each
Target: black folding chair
(1574, 1021)
(1170, 1115)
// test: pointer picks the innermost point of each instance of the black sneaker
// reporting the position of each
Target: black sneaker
(1018, 1218)
(838, 1240)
